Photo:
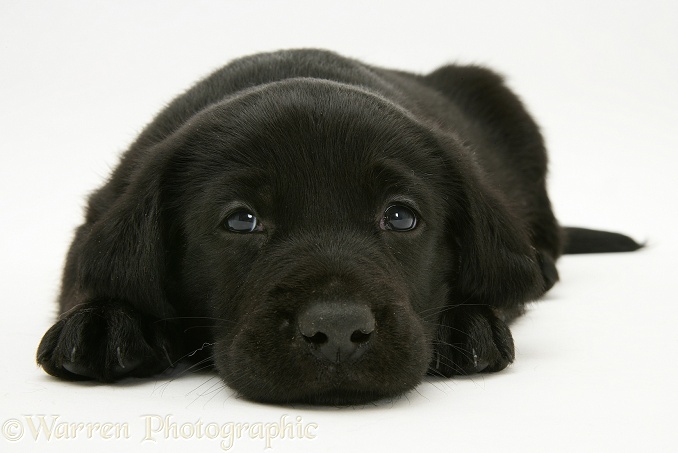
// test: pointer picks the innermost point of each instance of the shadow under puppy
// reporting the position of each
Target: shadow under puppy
(326, 231)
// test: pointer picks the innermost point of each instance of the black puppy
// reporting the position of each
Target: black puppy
(324, 231)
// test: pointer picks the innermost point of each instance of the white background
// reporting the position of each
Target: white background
(596, 359)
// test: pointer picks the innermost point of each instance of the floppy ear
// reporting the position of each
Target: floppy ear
(121, 255)
(497, 263)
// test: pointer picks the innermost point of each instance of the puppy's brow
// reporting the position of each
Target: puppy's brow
(393, 177)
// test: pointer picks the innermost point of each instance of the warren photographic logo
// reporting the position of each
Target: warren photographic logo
(152, 428)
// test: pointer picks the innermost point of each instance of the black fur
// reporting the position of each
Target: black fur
(317, 147)
(583, 240)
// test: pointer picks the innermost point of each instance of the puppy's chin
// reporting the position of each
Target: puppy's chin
(339, 397)
(330, 387)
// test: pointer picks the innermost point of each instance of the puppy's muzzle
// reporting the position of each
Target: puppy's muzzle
(338, 332)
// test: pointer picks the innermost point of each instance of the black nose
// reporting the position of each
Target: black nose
(337, 331)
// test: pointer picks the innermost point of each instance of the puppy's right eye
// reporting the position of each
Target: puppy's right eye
(242, 222)
(398, 218)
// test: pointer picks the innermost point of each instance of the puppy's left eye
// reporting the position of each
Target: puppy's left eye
(398, 218)
(242, 222)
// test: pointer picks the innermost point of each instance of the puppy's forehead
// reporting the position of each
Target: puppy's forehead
(312, 129)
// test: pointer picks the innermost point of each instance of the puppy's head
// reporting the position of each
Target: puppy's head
(326, 230)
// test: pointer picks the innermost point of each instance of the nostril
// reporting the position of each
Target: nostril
(360, 337)
(318, 338)
(337, 331)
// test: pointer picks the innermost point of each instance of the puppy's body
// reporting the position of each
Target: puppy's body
(331, 231)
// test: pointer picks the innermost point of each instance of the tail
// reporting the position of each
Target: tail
(582, 240)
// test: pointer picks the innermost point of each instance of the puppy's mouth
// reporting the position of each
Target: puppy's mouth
(332, 385)
(341, 397)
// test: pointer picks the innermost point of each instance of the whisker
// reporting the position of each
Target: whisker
(432, 312)
(191, 354)
(197, 327)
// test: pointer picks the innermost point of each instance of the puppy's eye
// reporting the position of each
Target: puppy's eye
(241, 222)
(398, 218)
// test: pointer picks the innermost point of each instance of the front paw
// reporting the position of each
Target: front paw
(105, 341)
(471, 339)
